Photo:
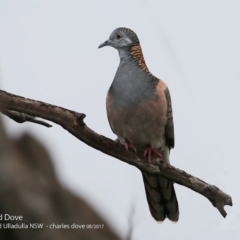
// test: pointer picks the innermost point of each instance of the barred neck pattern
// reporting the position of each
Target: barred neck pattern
(136, 53)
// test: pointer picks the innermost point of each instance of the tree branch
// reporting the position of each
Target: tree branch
(73, 123)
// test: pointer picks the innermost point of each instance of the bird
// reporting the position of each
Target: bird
(139, 112)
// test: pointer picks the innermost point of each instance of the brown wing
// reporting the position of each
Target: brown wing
(169, 128)
(161, 196)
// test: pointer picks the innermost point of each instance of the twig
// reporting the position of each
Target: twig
(73, 123)
(21, 117)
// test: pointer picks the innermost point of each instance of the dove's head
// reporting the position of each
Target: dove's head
(121, 38)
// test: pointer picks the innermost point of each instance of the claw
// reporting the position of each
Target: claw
(148, 152)
(127, 145)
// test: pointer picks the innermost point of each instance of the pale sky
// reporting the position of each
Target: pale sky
(48, 52)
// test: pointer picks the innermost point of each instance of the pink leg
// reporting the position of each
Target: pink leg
(127, 145)
(148, 153)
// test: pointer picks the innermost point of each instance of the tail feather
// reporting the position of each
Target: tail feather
(161, 197)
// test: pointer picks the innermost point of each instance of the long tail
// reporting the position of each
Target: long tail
(161, 197)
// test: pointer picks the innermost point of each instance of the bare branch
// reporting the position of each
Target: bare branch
(21, 117)
(73, 123)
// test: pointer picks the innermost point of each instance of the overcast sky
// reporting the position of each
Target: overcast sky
(48, 52)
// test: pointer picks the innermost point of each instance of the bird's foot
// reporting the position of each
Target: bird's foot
(148, 153)
(127, 145)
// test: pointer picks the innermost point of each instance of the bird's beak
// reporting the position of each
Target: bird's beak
(106, 43)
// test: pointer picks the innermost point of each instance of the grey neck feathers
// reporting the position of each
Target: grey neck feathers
(133, 83)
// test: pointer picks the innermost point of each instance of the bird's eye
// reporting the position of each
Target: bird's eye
(118, 36)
